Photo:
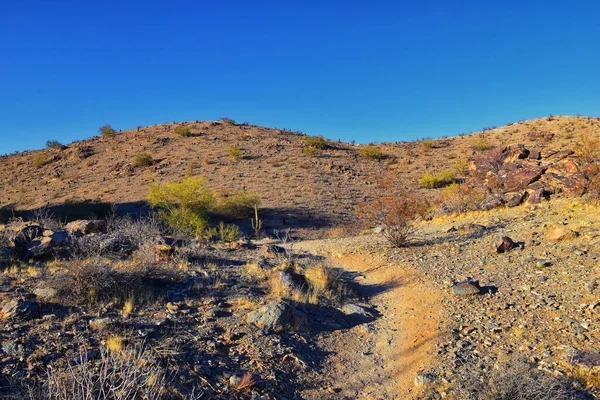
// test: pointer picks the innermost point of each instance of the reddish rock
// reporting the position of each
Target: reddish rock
(559, 234)
(514, 152)
(507, 245)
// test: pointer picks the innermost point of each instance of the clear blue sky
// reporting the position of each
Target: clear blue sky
(363, 70)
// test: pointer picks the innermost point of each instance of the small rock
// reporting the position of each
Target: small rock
(559, 234)
(424, 379)
(45, 293)
(358, 312)
(235, 380)
(466, 288)
(278, 316)
(507, 245)
(84, 227)
(101, 324)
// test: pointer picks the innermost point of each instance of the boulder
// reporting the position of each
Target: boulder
(559, 234)
(466, 288)
(20, 234)
(59, 238)
(40, 247)
(505, 246)
(17, 308)
(277, 316)
(359, 313)
(514, 152)
(85, 227)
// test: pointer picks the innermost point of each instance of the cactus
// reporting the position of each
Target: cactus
(256, 222)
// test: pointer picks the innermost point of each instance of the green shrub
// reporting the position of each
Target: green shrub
(370, 152)
(39, 160)
(183, 130)
(481, 144)
(227, 121)
(234, 152)
(442, 179)
(183, 206)
(106, 130)
(54, 144)
(310, 151)
(461, 166)
(428, 143)
(318, 142)
(236, 205)
(142, 159)
(224, 232)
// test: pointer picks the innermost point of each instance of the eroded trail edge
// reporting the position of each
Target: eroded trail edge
(380, 359)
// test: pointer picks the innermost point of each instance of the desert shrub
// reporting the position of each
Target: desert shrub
(39, 160)
(428, 143)
(461, 167)
(54, 144)
(325, 282)
(224, 232)
(107, 130)
(458, 198)
(395, 210)
(587, 148)
(310, 151)
(96, 280)
(236, 205)
(183, 206)
(481, 144)
(515, 383)
(118, 375)
(142, 159)
(318, 142)
(234, 152)
(227, 121)
(183, 130)
(370, 152)
(441, 179)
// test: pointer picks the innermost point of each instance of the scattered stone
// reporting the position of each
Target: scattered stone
(278, 316)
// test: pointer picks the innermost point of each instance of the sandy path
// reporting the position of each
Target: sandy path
(380, 360)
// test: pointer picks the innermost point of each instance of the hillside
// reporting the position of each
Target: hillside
(298, 189)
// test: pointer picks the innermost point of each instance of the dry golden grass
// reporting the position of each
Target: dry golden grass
(129, 305)
(115, 343)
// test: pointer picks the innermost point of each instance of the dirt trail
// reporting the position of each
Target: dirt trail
(380, 360)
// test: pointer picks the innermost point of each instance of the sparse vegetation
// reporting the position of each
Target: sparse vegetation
(107, 131)
(54, 144)
(310, 151)
(39, 160)
(183, 130)
(458, 198)
(441, 179)
(142, 159)
(394, 210)
(370, 152)
(480, 144)
(227, 121)
(236, 205)
(234, 152)
(318, 142)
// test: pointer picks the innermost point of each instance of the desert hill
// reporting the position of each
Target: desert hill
(317, 188)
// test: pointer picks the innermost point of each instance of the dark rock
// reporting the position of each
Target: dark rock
(507, 245)
(466, 288)
(18, 308)
(278, 316)
(40, 247)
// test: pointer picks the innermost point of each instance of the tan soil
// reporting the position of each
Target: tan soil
(380, 360)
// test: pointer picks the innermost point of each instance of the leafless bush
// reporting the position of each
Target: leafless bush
(516, 383)
(47, 219)
(95, 279)
(117, 376)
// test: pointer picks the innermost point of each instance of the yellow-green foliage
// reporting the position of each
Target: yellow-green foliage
(39, 160)
(142, 159)
(457, 198)
(370, 152)
(236, 205)
(442, 179)
(183, 205)
(461, 166)
(224, 232)
(481, 144)
(310, 151)
(106, 130)
(183, 130)
(318, 142)
(234, 152)
(428, 143)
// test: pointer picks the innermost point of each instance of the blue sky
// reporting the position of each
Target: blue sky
(368, 71)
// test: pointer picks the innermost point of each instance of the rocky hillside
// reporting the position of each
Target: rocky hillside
(522, 161)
